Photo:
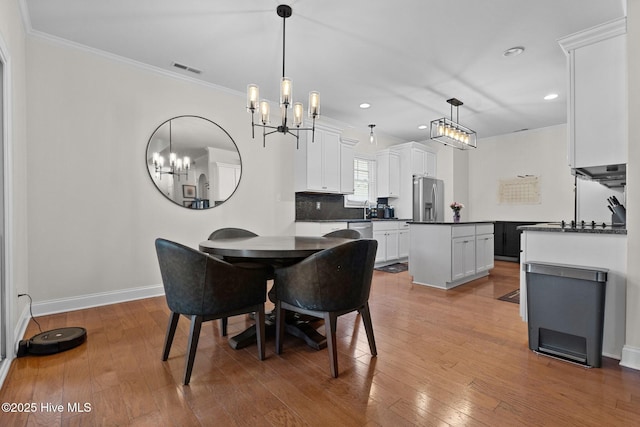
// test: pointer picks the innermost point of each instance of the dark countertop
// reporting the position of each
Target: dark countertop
(353, 220)
(449, 222)
(333, 220)
(557, 228)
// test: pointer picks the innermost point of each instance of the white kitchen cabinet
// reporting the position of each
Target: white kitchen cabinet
(388, 173)
(597, 104)
(317, 163)
(416, 158)
(484, 252)
(403, 241)
(446, 255)
(318, 228)
(423, 162)
(390, 237)
(347, 153)
(463, 251)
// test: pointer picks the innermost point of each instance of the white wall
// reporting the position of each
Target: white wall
(93, 211)
(540, 152)
(12, 38)
(631, 351)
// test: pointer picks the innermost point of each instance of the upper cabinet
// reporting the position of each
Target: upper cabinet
(423, 162)
(388, 173)
(347, 154)
(597, 115)
(318, 164)
(416, 158)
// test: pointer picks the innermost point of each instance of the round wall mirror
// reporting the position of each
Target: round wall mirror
(193, 162)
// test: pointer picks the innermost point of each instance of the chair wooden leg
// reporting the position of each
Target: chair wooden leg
(279, 327)
(260, 332)
(194, 336)
(171, 331)
(368, 327)
(223, 326)
(330, 320)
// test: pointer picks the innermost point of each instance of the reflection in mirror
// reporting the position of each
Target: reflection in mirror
(193, 162)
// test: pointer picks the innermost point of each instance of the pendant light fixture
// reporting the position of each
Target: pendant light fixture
(373, 139)
(177, 166)
(286, 100)
(451, 132)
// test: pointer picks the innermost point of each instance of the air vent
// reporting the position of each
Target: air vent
(186, 68)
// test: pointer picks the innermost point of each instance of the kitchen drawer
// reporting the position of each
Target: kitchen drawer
(484, 228)
(463, 230)
(385, 225)
(318, 228)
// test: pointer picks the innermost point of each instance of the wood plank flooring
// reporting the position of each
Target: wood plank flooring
(457, 357)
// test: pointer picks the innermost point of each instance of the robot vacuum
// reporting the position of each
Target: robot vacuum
(53, 341)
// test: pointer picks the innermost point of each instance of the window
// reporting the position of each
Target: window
(363, 183)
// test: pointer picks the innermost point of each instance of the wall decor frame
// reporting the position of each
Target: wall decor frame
(189, 191)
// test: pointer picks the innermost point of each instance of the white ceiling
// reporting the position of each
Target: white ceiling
(404, 57)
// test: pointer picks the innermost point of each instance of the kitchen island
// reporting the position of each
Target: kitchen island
(447, 254)
(596, 247)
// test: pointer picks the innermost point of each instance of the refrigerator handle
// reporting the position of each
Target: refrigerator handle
(434, 210)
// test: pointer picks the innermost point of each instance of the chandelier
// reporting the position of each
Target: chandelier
(286, 100)
(177, 166)
(453, 133)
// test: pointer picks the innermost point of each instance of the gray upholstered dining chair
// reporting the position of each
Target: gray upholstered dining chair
(328, 284)
(205, 288)
(228, 233)
(347, 233)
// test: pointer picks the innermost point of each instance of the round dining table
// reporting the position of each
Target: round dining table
(276, 251)
(260, 248)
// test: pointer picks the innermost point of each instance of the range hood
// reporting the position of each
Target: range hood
(611, 176)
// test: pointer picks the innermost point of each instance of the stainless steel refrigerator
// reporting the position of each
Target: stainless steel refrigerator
(428, 199)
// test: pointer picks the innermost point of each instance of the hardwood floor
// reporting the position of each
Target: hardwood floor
(457, 357)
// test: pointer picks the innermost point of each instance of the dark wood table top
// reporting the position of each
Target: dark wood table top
(270, 246)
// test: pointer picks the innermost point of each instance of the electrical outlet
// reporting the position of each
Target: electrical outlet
(317, 206)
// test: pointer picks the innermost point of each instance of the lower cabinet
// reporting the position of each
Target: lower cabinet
(463, 257)
(393, 241)
(403, 241)
(484, 252)
(448, 255)
(507, 239)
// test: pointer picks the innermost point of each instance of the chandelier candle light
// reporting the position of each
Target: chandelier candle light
(286, 100)
(453, 133)
(177, 166)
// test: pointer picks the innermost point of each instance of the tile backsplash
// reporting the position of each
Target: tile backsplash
(331, 207)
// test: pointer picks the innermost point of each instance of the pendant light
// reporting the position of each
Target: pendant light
(286, 100)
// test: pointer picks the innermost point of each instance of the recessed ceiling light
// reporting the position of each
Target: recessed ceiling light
(422, 126)
(514, 51)
(365, 105)
(551, 96)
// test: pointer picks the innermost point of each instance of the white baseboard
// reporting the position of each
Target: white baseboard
(95, 300)
(71, 304)
(630, 357)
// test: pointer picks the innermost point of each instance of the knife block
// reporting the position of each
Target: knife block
(619, 216)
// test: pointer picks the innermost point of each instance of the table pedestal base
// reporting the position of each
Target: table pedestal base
(295, 324)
